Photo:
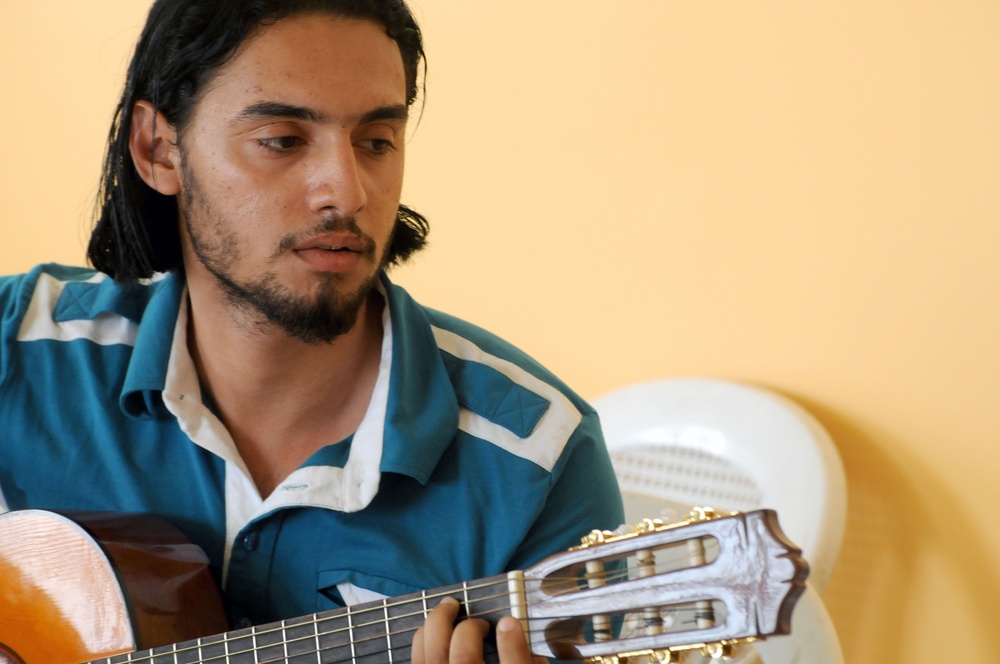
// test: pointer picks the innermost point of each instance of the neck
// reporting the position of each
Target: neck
(282, 399)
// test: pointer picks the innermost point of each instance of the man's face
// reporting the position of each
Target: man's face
(292, 166)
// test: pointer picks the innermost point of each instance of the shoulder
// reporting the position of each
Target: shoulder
(62, 303)
(17, 289)
(469, 342)
(505, 396)
(31, 301)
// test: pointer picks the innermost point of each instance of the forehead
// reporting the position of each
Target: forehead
(333, 64)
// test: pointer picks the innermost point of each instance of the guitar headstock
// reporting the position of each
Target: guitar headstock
(660, 590)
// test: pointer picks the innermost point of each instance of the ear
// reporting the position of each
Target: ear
(153, 144)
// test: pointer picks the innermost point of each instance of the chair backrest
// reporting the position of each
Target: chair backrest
(730, 446)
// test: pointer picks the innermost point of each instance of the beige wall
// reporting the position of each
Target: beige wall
(800, 195)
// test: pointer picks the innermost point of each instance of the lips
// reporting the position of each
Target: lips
(330, 249)
(334, 252)
(335, 242)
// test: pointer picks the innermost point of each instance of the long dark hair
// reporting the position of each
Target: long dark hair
(181, 47)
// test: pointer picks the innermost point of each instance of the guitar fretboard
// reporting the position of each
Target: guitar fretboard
(379, 632)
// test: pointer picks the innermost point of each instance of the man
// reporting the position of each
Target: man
(242, 365)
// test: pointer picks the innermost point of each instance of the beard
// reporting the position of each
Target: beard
(318, 318)
(313, 320)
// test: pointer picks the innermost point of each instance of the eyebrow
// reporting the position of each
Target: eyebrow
(274, 109)
(394, 112)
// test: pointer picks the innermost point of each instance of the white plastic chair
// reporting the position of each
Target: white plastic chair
(683, 442)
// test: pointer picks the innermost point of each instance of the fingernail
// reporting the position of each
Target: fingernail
(507, 624)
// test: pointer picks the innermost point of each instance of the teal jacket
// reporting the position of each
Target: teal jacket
(471, 460)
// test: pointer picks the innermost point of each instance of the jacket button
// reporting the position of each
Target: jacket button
(250, 541)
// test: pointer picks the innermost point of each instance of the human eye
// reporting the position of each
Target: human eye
(377, 146)
(280, 144)
(378, 139)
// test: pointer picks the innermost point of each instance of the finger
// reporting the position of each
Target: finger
(467, 642)
(417, 647)
(431, 642)
(512, 644)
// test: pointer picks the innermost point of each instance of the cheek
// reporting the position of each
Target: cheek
(244, 199)
(225, 165)
(388, 186)
(389, 199)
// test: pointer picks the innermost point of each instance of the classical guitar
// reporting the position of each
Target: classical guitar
(105, 588)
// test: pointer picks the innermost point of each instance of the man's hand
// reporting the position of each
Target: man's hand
(441, 641)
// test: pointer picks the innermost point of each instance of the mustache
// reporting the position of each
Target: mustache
(328, 224)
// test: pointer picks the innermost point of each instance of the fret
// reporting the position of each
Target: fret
(388, 632)
(300, 640)
(368, 633)
(212, 648)
(268, 643)
(186, 653)
(334, 639)
(488, 599)
(403, 617)
(241, 646)
(350, 636)
(319, 650)
(161, 655)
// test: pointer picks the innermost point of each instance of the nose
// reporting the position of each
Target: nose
(337, 183)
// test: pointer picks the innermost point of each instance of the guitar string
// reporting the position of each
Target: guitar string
(378, 637)
(357, 627)
(226, 639)
(691, 619)
(489, 657)
(313, 621)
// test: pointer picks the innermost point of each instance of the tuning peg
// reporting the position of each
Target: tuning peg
(647, 526)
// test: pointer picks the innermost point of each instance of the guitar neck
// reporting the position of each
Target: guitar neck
(379, 632)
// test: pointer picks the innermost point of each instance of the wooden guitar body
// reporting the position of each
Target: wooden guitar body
(77, 586)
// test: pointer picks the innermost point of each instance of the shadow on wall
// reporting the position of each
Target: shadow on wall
(889, 524)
